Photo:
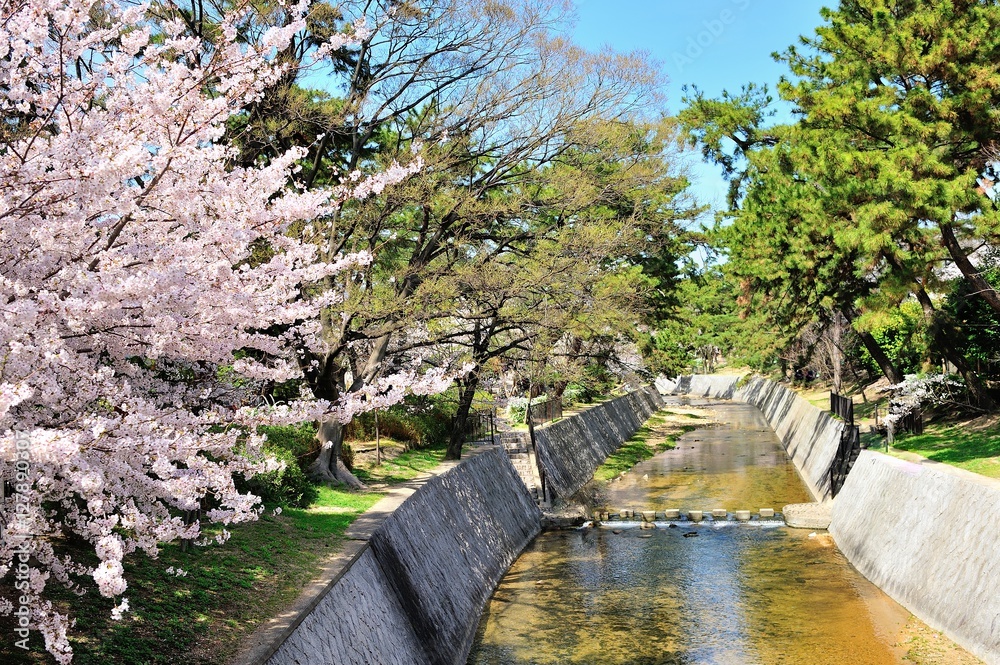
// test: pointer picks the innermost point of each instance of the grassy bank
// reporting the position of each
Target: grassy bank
(973, 445)
(659, 433)
(203, 616)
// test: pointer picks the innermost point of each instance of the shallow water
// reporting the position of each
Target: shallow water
(738, 464)
(682, 593)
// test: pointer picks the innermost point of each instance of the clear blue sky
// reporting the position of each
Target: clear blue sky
(714, 44)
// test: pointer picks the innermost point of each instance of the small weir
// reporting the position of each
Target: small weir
(659, 579)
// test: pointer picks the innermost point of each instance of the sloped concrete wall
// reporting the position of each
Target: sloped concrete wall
(927, 534)
(415, 593)
(706, 385)
(570, 450)
(810, 435)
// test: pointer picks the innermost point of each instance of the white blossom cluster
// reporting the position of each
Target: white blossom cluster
(125, 247)
(917, 392)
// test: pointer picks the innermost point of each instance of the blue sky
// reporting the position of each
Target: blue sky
(714, 44)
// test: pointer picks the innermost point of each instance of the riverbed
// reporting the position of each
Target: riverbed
(721, 592)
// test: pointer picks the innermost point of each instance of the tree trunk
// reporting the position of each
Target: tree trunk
(836, 357)
(878, 355)
(943, 332)
(466, 393)
(328, 467)
(983, 288)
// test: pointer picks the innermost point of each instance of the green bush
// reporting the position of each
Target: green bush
(899, 333)
(299, 440)
(517, 409)
(576, 393)
(420, 421)
(347, 455)
(287, 486)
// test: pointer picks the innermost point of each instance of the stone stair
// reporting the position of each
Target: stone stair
(517, 445)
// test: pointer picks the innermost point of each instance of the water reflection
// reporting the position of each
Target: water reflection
(737, 464)
(684, 593)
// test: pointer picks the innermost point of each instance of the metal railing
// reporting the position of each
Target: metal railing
(847, 452)
(843, 407)
(546, 411)
(480, 426)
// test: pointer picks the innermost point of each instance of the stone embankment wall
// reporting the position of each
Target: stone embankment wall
(569, 451)
(926, 534)
(416, 590)
(810, 435)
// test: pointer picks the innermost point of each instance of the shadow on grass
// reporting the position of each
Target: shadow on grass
(404, 467)
(199, 618)
(953, 446)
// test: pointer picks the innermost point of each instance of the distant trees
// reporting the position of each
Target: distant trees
(859, 206)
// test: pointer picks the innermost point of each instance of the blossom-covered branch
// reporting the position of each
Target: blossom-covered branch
(129, 278)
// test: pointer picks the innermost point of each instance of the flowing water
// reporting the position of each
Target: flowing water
(684, 593)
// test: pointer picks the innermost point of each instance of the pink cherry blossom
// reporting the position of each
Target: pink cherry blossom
(125, 246)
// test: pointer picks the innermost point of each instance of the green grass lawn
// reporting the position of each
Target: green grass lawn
(407, 466)
(657, 434)
(203, 617)
(958, 445)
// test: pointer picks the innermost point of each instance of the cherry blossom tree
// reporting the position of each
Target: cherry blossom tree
(137, 298)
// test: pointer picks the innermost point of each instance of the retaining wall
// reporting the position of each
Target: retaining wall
(414, 593)
(569, 451)
(810, 435)
(926, 534)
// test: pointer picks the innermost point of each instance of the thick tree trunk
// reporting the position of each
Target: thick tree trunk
(328, 467)
(466, 393)
(944, 332)
(878, 355)
(983, 288)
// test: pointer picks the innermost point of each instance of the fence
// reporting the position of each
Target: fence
(912, 423)
(547, 411)
(847, 452)
(843, 407)
(480, 426)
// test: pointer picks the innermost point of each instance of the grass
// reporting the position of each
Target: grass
(976, 450)
(659, 433)
(204, 617)
(866, 410)
(404, 467)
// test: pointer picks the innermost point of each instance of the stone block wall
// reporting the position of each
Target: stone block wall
(569, 451)
(415, 592)
(926, 534)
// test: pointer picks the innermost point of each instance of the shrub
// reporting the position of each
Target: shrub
(419, 421)
(576, 393)
(347, 455)
(286, 486)
(517, 409)
(299, 440)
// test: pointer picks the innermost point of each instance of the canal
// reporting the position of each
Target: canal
(718, 592)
